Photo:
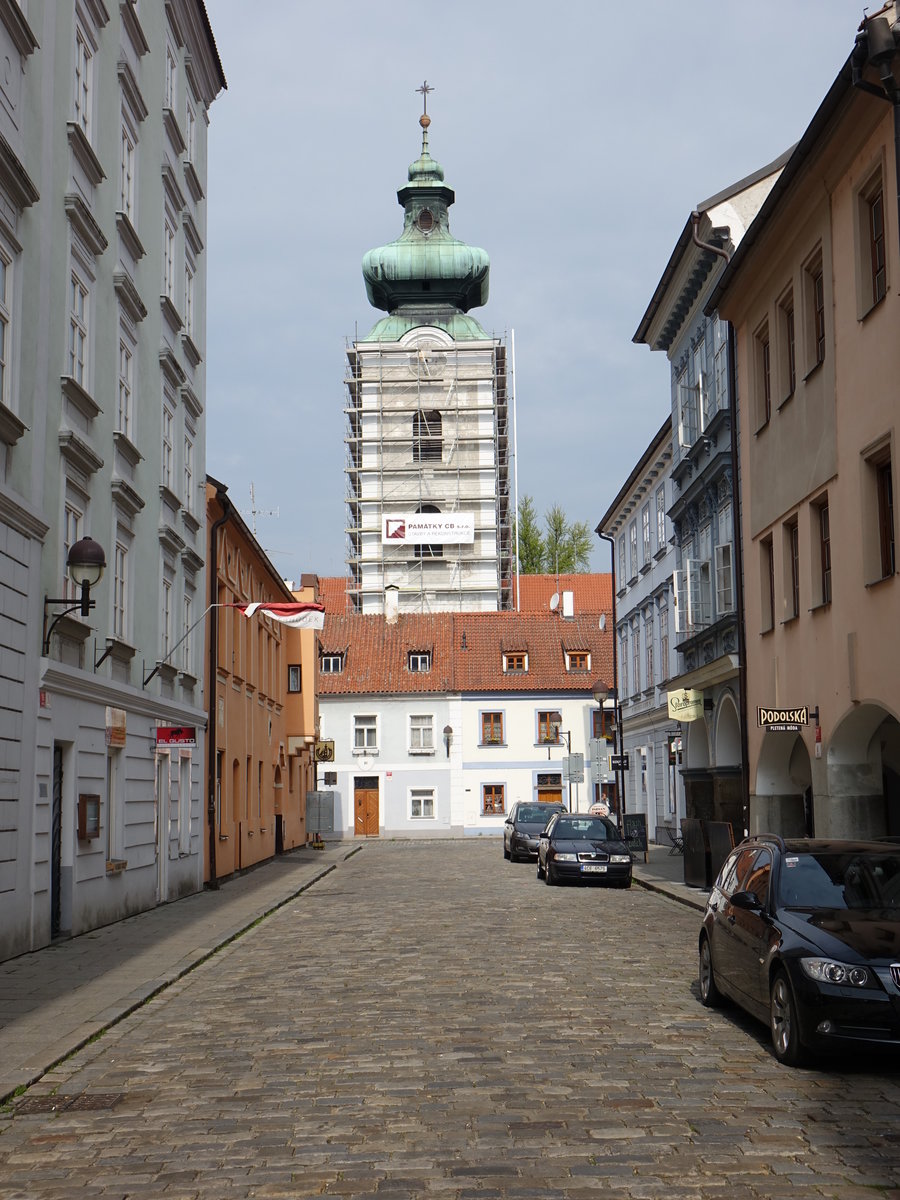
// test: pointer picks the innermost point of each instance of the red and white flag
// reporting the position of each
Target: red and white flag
(298, 615)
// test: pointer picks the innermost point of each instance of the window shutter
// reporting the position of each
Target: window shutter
(724, 579)
(678, 589)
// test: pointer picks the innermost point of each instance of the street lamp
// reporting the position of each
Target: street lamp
(608, 698)
(558, 732)
(85, 564)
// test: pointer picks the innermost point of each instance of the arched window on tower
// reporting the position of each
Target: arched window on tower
(423, 549)
(427, 446)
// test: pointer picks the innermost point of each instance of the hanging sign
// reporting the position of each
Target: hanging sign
(116, 720)
(181, 737)
(789, 720)
(685, 705)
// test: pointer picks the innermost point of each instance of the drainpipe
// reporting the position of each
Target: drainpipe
(212, 671)
(738, 539)
(619, 738)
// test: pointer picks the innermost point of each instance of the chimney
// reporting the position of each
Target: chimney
(391, 604)
(568, 605)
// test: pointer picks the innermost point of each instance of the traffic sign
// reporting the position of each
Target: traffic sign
(573, 768)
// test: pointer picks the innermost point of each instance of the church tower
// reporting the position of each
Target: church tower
(428, 487)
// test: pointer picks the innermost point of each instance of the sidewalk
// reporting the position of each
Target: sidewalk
(665, 873)
(54, 1000)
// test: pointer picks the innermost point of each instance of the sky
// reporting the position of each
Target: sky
(578, 136)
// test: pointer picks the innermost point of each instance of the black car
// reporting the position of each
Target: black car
(583, 847)
(805, 935)
(527, 820)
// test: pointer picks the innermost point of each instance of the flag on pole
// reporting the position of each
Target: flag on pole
(298, 615)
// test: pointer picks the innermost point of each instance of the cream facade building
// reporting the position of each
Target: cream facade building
(814, 294)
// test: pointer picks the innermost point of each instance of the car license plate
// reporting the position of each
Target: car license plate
(595, 867)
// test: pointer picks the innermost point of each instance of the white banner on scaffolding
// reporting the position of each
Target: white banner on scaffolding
(403, 529)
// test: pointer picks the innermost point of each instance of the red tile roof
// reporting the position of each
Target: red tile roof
(591, 593)
(466, 653)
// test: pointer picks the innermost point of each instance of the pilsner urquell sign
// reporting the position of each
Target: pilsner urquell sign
(685, 705)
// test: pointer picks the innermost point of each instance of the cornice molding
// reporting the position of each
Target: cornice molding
(69, 681)
(131, 90)
(129, 297)
(14, 178)
(77, 451)
(18, 28)
(83, 223)
(85, 154)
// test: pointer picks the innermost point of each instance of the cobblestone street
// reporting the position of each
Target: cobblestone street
(429, 1020)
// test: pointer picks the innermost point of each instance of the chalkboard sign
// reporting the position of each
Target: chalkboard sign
(636, 831)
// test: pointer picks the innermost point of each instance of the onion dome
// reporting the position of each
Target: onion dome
(426, 276)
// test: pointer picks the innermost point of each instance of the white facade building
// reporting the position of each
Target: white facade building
(102, 415)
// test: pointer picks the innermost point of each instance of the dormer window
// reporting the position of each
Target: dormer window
(419, 660)
(578, 660)
(515, 661)
(332, 664)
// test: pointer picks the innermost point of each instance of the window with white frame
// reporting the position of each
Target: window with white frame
(632, 550)
(168, 447)
(648, 648)
(623, 662)
(661, 539)
(421, 804)
(168, 589)
(663, 643)
(124, 405)
(724, 565)
(365, 734)
(635, 658)
(419, 660)
(169, 243)
(421, 733)
(73, 531)
(698, 365)
(171, 92)
(622, 561)
(126, 177)
(84, 67)
(720, 366)
(188, 496)
(331, 663)
(188, 314)
(6, 285)
(190, 133)
(120, 590)
(645, 534)
(79, 314)
(686, 399)
(187, 663)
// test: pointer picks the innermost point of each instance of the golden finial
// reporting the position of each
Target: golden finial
(424, 120)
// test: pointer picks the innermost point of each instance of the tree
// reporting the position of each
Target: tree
(531, 542)
(563, 548)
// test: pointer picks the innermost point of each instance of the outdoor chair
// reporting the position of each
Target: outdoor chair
(676, 839)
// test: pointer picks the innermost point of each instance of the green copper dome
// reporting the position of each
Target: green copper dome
(426, 277)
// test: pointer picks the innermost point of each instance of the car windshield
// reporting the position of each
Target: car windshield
(852, 880)
(594, 829)
(534, 814)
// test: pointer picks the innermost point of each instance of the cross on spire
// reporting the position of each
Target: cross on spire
(423, 91)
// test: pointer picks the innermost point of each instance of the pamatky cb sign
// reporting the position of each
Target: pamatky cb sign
(404, 529)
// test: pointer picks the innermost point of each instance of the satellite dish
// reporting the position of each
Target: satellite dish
(602, 622)
(554, 602)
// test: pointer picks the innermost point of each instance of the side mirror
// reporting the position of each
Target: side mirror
(747, 900)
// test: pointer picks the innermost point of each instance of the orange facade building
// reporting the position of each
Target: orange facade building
(260, 697)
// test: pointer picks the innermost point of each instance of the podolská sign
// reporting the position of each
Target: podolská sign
(783, 720)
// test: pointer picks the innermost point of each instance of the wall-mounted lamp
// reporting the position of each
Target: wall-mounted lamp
(85, 564)
(448, 737)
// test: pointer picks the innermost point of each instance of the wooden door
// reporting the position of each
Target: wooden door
(365, 794)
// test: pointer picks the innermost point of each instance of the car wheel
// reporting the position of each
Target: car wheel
(710, 996)
(784, 1024)
(506, 852)
(549, 875)
(626, 883)
(540, 869)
